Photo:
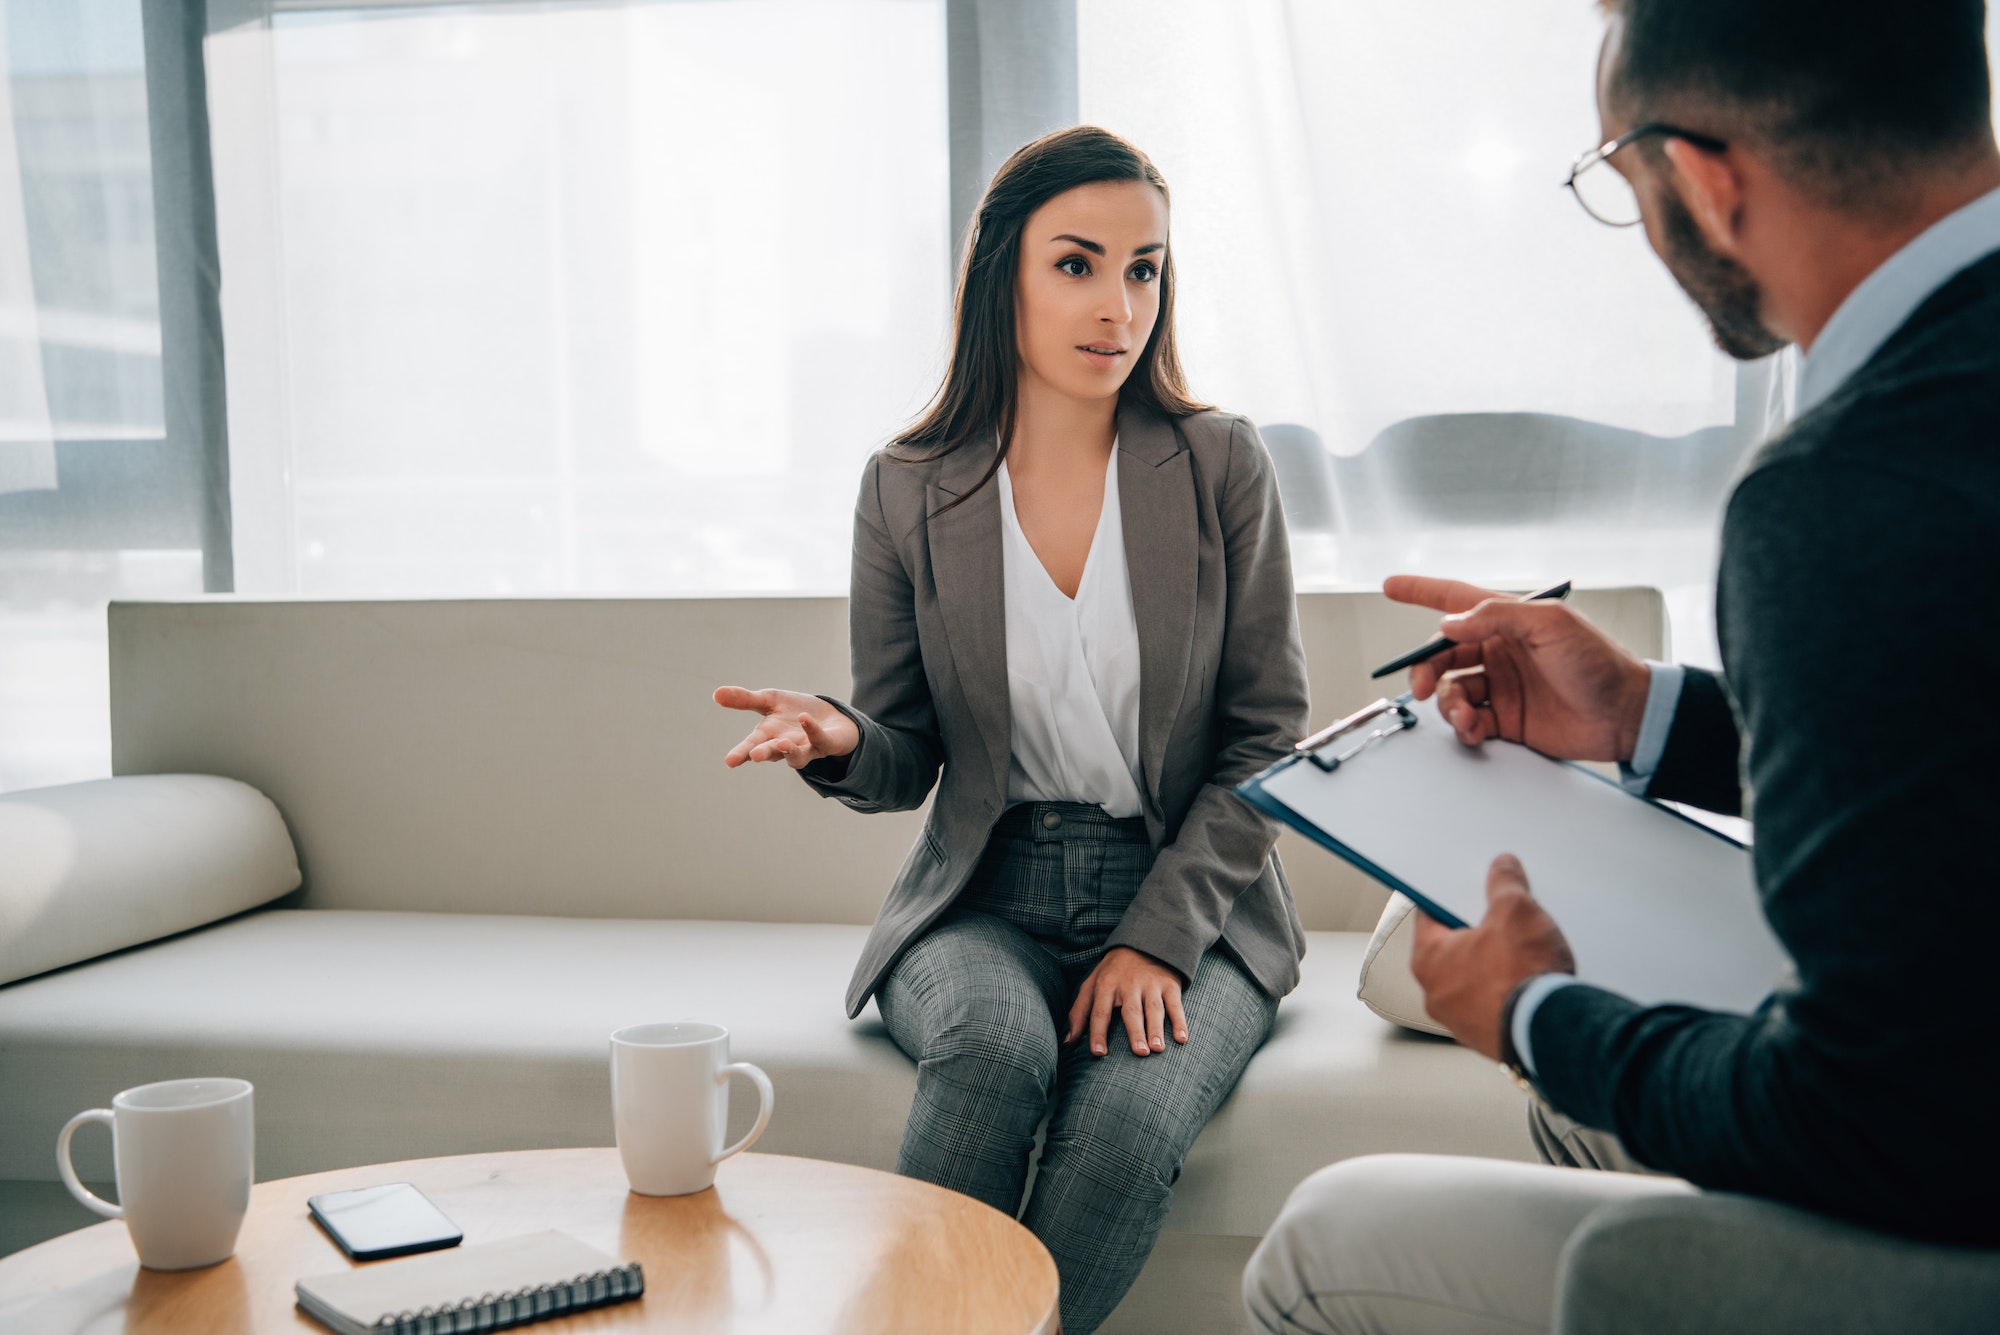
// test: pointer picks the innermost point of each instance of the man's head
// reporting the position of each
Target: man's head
(1833, 114)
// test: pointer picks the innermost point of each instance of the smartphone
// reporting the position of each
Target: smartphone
(376, 1222)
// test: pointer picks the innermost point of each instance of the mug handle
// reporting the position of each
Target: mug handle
(85, 1197)
(765, 1101)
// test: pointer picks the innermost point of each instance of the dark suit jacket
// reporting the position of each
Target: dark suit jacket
(1222, 686)
(1861, 556)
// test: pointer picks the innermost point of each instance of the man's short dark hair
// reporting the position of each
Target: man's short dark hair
(1846, 95)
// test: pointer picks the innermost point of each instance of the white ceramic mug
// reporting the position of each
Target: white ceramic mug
(670, 1101)
(184, 1152)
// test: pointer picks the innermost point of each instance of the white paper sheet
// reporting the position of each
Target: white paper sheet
(1655, 906)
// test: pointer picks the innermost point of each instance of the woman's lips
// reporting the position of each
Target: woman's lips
(1101, 356)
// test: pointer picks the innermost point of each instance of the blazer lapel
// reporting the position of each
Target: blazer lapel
(966, 567)
(1156, 496)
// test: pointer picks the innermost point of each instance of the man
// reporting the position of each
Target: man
(1824, 174)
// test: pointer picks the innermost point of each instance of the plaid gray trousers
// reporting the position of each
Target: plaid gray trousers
(981, 1002)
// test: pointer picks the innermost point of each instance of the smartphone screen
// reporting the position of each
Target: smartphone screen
(376, 1222)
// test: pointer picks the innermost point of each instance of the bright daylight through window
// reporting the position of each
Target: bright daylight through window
(87, 506)
(615, 296)
(579, 297)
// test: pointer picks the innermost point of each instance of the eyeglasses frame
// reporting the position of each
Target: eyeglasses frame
(1707, 143)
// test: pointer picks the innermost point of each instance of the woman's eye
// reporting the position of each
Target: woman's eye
(1075, 266)
(1144, 273)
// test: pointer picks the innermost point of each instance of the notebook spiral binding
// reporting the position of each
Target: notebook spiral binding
(497, 1311)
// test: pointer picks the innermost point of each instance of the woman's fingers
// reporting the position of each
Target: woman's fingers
(748, 750)
(773, 739)
(781, 746)
(1177, 1015)
(1100, 1020)
(1079, 1010)
(1132, 1010)
(1156, 1015)
(817, 742)
(744, 752)
(735, 697)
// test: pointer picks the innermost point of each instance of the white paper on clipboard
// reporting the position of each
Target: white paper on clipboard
(1655, 906)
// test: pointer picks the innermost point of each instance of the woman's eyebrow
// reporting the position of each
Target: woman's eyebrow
(1096, 249)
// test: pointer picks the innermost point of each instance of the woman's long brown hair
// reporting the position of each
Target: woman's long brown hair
(976, 402)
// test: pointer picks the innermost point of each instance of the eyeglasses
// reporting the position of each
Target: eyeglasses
(1603, 190)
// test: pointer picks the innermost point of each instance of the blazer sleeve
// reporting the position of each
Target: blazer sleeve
(901, 746)
(1701, 764)
(1224, 844)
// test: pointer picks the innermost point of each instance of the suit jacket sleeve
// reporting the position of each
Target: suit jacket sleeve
(901, 747)
(1866, 803)
(1223, 844)
(1702, 760)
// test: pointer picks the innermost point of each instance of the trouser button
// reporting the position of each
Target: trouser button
(1051, 820)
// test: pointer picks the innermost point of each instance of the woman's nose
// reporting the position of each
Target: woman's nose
(1117, 308)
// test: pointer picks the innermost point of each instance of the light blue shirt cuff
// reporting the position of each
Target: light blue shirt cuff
(1532, 996)
(1663, 697)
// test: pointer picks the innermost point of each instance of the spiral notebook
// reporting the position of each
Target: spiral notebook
(487, 1287)
(1656, 906)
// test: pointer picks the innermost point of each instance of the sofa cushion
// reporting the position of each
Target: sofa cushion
(1387, 986)
(94, 867)
(375, 1036)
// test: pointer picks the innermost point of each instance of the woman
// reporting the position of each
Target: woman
(1072, 592)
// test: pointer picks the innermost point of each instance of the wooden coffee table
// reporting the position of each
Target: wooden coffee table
(779, 1245)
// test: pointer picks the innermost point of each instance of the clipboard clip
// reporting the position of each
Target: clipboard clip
(1395, 715)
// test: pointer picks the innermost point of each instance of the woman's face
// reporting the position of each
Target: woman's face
(1088, 293)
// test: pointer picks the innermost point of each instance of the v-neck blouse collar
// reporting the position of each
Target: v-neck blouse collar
(1108, 518)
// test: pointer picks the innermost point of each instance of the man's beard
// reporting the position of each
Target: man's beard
(1722, 288)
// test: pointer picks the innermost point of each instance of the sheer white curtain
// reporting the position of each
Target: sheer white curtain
(1375, 248)
(27, 440)
(80, 376)
(79, 304)
(573, 297)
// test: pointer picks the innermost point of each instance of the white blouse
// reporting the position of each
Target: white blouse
(1072, 668)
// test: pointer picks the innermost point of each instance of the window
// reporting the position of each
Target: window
(616, 295)
(578, 298)
(95, 499)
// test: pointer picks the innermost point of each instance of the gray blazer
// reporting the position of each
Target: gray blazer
(1222, 686)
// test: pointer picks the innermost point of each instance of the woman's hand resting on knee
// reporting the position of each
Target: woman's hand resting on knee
(1145, 993)
(797, 729)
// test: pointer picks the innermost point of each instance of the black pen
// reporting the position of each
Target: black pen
(1440, 644)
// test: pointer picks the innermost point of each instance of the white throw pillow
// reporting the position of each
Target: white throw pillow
(89, 868)
(1387, 986)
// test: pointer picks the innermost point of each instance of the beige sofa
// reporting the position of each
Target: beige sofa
(516, 834)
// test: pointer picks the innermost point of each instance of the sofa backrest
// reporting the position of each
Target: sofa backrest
(562, 756)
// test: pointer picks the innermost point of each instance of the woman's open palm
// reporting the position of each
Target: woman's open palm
(795, 728)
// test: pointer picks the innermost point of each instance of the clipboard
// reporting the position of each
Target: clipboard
(1657, 907)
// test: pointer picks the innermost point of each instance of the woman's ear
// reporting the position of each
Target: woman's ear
(1711, 186)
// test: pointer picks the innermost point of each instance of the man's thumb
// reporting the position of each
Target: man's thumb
(1506, 873)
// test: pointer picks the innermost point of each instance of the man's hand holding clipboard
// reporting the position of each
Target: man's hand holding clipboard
(1627, 893)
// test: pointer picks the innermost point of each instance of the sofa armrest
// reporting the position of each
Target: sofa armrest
(89, 868)
(1693, 1265)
